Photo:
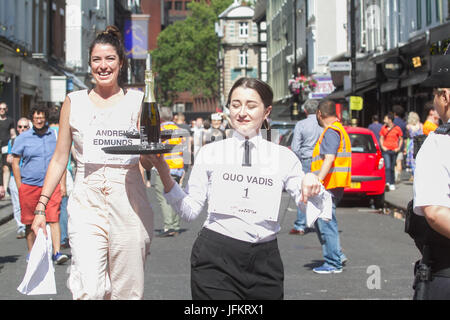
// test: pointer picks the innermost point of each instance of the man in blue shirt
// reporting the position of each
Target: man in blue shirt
(36, 147)
(306, 134)
(375, 127)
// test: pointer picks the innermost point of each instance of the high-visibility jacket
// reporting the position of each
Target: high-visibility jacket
(339, 175)
(175, 159)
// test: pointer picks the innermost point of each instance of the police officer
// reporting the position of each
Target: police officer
(432, 194)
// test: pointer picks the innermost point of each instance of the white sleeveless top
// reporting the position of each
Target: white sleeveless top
(94, 128)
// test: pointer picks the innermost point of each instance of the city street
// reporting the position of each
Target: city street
(381, 258)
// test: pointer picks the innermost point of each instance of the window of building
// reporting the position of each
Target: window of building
(419, 14)
(243, 29)
(428, 11)
(448, 9)
(178, 5)
(169, 5)
(186, 5)
(438, 10)
(243, 58)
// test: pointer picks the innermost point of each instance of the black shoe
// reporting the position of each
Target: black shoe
(168, 233)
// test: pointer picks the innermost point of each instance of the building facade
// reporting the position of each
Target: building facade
(395, 47)
(239, 41)
(32, 48)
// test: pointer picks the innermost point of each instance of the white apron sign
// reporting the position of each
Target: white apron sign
(245, 193)
(98, 136)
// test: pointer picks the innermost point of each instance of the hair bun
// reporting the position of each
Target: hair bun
(114, 31)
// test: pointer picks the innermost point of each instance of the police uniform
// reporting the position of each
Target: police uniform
(432, 188)
(236, 254)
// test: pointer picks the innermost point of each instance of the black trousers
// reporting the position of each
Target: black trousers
(223, 268)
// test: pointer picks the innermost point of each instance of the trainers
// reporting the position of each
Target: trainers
(168, 233)
(344, 261)
(297, 232)
(325, 269)
(20, 234)
(27, 258)
(392, 187)
(59, 258)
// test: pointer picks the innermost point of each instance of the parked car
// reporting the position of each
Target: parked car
(280, 129)
(368, 171)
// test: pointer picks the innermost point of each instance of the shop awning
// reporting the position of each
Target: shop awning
(415, 79)
(389, 86)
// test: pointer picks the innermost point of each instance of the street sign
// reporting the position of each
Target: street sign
(340, 66)
(356, 103)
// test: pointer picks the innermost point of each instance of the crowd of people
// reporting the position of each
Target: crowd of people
(396, 139)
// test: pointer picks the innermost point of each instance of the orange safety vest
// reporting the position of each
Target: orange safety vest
(174, 160)
(339, 175)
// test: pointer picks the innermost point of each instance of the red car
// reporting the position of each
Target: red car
(368, 172)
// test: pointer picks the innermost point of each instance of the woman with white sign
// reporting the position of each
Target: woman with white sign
(110, 219)
(236, 255)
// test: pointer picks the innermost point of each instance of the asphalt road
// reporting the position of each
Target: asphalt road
(381, 258)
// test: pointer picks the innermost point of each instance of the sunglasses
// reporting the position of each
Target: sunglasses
(22, 127)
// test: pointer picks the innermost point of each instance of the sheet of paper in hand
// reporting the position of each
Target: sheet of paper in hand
(40, 274)
(246, 193)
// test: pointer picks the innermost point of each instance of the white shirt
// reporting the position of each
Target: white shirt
(432, 174)
(269, 158)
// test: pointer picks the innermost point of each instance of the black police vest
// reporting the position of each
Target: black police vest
(417, 226)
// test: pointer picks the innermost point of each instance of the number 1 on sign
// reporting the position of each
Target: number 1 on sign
(246, 193)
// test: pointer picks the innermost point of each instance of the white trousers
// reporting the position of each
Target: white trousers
(110, 229)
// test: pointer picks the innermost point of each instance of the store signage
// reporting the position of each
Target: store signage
(393, 67)
(356, 103)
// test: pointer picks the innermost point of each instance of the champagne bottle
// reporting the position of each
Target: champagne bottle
(149, 129)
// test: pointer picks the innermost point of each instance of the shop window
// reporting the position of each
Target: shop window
(428, 12)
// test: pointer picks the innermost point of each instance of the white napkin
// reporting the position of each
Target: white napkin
(319, 206)
(40, 274)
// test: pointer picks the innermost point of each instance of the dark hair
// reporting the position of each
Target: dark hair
(428, 107)
(327, 108)
(398, 110)
(113, 37)
(263, 89)
(390, 115)
(53, 115)
(375, 117)
(39, 109)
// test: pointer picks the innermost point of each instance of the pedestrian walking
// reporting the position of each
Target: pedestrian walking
(432, 118)
(306, 134)
(391, 141)
(399, 113)
(22, 125)
(332, 163)
(375, 127)
(36, 147)
(7, 132)
(176, 164)
(414, 128)
(236, 254)
(110, 218)
(431, 195)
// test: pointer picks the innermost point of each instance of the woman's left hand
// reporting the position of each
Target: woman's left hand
(310, 186)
